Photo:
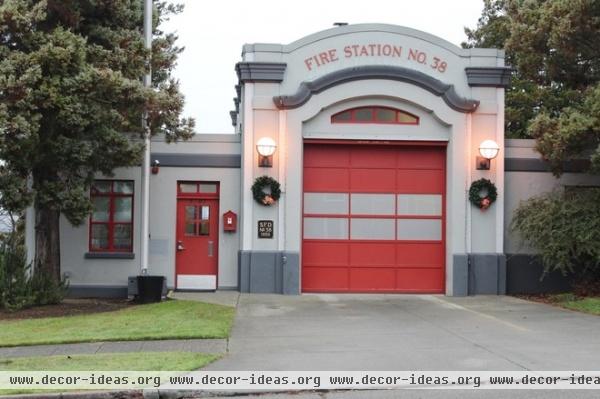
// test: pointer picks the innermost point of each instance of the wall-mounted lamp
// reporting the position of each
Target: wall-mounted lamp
(266, 148)
(489, 150)
(155, 167)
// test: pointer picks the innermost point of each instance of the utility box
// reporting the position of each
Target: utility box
(230, 221)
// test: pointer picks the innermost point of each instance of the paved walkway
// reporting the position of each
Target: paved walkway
(186, 345)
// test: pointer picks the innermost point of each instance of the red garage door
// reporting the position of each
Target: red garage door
(373, 218)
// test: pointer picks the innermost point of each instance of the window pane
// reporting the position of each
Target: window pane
(190, 212)
(385, 115)
(204, 228)
(403, 117)
(373, 204)
(209, 188)
(99, 237)
(326, 203)
(190, 228)
(123, 187)
(188, 187)
(101, 209)
(419, 229)
(122, 236)
(123, 208)
(205, 212)
(344, 116)
(101, 186)
(363, 114)
(420, 204)
(372, 229)
(326, 228)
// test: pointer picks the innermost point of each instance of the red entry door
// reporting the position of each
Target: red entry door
(197, 244)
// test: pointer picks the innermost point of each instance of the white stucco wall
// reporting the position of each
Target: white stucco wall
(163, 208)
(522, 185)
(74, 243)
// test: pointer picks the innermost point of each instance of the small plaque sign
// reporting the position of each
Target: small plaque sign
(265, 229)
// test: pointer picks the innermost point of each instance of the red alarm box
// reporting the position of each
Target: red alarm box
(229, 221)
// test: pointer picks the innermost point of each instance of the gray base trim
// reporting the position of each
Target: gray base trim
(460, 273)
(523, 273)
(198, 160)
(109, 255)
(97, 291)
(487, 274)
(269, 272)
(260, 71)
(539, 165)
(489, 76)
(435, 86)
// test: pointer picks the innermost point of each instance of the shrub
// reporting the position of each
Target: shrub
(18, 287)
(564, 228)
(15, 286)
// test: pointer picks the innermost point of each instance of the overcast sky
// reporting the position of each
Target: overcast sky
(213, 33)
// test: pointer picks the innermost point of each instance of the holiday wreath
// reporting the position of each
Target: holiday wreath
(482, 193)
(266, 190)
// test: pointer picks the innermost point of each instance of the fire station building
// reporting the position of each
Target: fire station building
(370, 137)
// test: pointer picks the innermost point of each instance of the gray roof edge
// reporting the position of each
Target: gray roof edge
(197, 160)
(206, 138)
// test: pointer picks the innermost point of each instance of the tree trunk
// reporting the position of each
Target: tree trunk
(47, 242)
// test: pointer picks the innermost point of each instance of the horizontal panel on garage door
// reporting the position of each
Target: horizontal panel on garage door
(373, 219)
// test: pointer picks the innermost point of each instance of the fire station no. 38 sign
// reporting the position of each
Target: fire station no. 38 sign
(265, 229)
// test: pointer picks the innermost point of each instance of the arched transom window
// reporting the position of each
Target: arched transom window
(375, 114)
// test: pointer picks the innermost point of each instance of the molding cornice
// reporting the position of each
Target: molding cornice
(434, 86)
(489, 76)
(260, 71)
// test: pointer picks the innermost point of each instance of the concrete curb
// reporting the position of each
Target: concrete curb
(140, 394)
(132, 394)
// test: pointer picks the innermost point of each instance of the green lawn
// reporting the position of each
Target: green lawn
(137, 361)
(570, 301)
(173, 319)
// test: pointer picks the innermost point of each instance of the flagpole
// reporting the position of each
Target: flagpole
(145, 231)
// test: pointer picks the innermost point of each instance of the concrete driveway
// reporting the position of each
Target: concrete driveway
(408, 332)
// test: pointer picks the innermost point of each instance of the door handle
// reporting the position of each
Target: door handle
(210, 248)
(180, 246)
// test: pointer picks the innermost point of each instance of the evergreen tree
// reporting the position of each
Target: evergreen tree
(72, 100)
(555, 94)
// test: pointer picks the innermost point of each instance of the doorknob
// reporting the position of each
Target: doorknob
(180, 246)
